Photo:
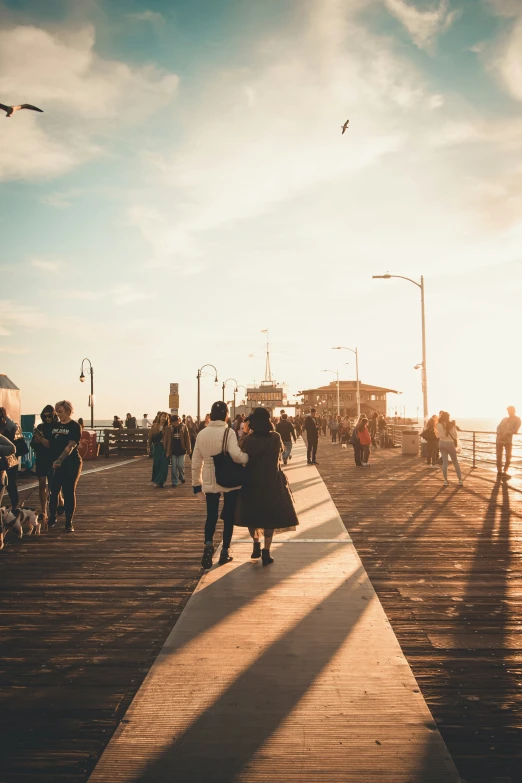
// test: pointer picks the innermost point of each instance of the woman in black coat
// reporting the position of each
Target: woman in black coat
(265, 501)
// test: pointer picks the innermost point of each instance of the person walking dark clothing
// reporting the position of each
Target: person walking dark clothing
(265, 501)
(176, 442)
(286, 430)
(8, 460)
(311, 427)
(41, 445)
(10, 430)
(160, 463)
(66, 465)
(432, 441)
(504, 442)
(373, 427)
(209, 443)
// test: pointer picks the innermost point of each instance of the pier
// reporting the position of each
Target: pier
(293, 672)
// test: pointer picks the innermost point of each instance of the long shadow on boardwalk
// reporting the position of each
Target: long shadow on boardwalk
(223, 741)
(446, 566)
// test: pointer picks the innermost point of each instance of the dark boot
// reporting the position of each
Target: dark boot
(256, 552)
(224, 557)
(265, 557)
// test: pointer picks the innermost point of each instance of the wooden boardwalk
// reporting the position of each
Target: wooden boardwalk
(288, 673)
(446, 564)
(83, 617)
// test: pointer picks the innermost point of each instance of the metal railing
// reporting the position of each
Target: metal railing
(478, 447)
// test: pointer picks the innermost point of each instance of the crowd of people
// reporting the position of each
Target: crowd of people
(262, 501)
(58, 463)
(443, 443)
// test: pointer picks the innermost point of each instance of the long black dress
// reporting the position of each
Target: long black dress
(265, 499)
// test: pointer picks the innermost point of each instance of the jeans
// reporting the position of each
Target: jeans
(448, 451)
(311, 449)
(177, 462)
(334, 435)
(365, 455)
(500, 454)
(229, 508)
(433, 452)
(357, 453)
(12, 489)
(65, 479)
(288, 450)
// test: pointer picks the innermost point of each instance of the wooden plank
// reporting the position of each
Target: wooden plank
(83, 617)
(320, 691)
(445, 564)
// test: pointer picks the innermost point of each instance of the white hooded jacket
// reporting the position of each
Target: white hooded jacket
(209, 443)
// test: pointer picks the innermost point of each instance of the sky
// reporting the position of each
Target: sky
(188, 186)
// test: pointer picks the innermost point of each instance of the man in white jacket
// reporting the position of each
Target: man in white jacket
(209, 442)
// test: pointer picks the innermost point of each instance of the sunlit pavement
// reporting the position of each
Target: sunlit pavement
(285, 673)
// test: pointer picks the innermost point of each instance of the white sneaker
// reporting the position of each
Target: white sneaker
(460, 483)
(445, 483)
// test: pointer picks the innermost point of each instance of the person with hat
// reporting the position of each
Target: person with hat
(265, 501)
(209, 442)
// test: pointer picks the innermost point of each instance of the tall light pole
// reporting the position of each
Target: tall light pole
(216, 381)
(358, 392)
(91, 396)
(336, 372)
(235, 391)
(420, 285)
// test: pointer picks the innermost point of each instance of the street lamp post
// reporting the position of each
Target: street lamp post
(235, 391)
(358, 392)
(199, 387)
(91, 396)
(336, 372)
(420, 285)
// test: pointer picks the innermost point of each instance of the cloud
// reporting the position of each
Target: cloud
(154, 17)
(12, 351)
(61, 199)
(125, 294)
(505, 8)
(47, 266)
(254, 138)
(14, 316)
(81, 93)
(508, 60)
(423, 26)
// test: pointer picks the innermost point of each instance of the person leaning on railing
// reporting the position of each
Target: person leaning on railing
(505, 431)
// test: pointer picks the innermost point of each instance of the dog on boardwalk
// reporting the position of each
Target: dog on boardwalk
(20, 521)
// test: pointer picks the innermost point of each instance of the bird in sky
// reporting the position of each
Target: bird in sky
(10, 110)
(345, 126)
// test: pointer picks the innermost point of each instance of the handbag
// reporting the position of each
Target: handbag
(21, 447)
(229, 474)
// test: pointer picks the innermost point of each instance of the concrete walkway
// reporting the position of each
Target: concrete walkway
(285, 673)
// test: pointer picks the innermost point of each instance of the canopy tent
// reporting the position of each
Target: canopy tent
(10, 398)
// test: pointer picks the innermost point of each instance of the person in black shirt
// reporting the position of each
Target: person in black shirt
(41, 445)
(311, 426)
(67, 463)
(286, 429)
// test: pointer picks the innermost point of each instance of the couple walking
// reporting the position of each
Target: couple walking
(263, 502)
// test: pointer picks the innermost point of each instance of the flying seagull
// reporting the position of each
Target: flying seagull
(345, 126)
(9, 110)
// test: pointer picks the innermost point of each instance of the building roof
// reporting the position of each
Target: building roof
(348, 386)
(6, 383)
